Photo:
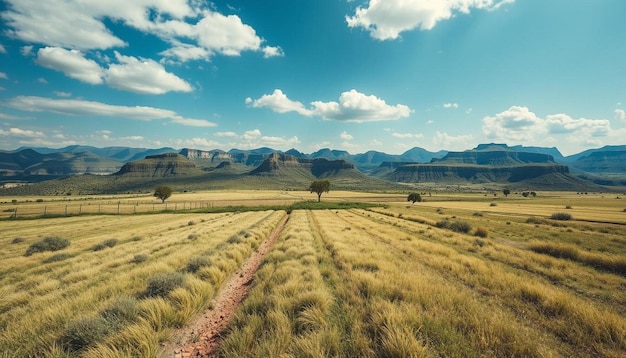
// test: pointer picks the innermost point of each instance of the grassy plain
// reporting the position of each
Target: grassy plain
(384, 281)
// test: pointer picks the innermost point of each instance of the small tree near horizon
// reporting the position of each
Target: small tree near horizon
(319, 187)
(414, 197)
(163, 192)
(506, 192)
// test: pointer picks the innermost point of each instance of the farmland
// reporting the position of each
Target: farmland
(461, 274)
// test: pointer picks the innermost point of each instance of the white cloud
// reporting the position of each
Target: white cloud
(42, 80)
(129, 74)
(272, 51)
(386, 19)
(450, 105)
(75, 107)
(193, 30)
(2, 49)
(353, 106)
(62, 94)
(279, 103)
(134, 138)
(620, 114)
(519, 124)
(4, 76)
(18, 132)
(72, 63)
(444, 140)
(197, 142)
(255, 139)
(143, 76)
(408, 135)
(345, 136)
(26, 50)
(226, 134)
(357, 107)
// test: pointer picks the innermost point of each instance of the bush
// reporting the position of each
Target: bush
(110, 242)
(193, 236)
(493, 204)
(191, 223)
(196, 263)
(48, 244)
(162, 284)
(568, 206)
(561, 216)
(457, 226)
(478, 213)
(139, 258)
(17, 240)
(120, 312)
(84, 332)
(481, 232)
(57, 257)
(99, 247)
(534, 220)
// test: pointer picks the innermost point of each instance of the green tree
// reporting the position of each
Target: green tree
(163, 192)
(319, 187)
(414, 197)
(506, 192)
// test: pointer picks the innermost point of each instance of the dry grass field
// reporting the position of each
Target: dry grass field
(461, 274)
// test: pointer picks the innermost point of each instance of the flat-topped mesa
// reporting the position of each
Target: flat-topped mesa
(493, 157)
(319, 166)
(161, 165)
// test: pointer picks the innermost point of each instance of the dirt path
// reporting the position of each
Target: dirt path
(201, 338)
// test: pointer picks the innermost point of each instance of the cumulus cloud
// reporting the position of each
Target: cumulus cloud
(279, 103)
(450, 105)
(255, 139)
(131, 74)
(352, 106)
(72, 63)
(2, 49)
(519, 124)
(62, 94)
(75, 107)
(345, 136)
(272, 51)
(143, 76)
(18, 132)
(386, 19)
(620, 114)
(357, 107)
(4, 76)
(445, 140)
(190, 27)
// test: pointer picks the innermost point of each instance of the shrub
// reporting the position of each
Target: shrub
(493, 204)
(191, 223)
(478, 213)
(561, 216)
(110, 242)
(121, 311)
(568, 206)
(457, 226)
(196, 263)
(17, 240)
(136, 238)
(534, 220)
(139, 258)
(192, 236)
(84, 332)
(57, 257)
(39, 200)
(99, 247)
(162, 284)
(481, 232)
(47, 244)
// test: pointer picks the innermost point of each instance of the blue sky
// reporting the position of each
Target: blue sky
(357, 75)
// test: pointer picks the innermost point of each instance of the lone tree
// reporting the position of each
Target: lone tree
(163, 192)
(506, 192)
(319, 187)
(414, 197)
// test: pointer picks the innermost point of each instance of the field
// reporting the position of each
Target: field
(461, 274)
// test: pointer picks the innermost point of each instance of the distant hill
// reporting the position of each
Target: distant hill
(490, 164)
(160, 165)
(121, 154)
(28, 162)
(552, 151)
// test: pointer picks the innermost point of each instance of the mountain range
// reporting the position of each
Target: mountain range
(487, 163)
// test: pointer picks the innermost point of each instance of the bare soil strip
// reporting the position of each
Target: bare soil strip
(202, 337)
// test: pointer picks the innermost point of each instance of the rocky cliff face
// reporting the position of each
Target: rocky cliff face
(494, 157)
(162, 165)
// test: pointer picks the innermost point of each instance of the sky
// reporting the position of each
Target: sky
(355, 75)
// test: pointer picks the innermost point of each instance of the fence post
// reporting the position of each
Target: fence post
(15, 213)
(45, 210)
(80, 209)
